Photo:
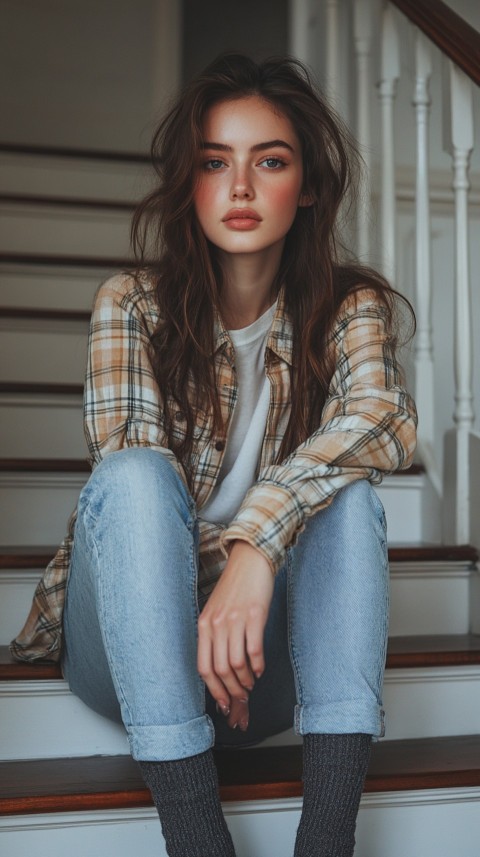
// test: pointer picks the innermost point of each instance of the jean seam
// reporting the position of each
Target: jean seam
(90, 533)
(291, 643)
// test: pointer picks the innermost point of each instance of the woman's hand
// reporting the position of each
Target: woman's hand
(230, 631)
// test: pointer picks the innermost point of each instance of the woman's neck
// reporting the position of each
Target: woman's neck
(248, 287)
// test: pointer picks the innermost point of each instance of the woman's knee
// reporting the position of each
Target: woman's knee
(357, 508)
(132, 464)
(354, 521)
(140, 472)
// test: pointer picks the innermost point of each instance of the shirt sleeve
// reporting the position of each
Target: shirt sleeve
(368, 429)
(122, 401)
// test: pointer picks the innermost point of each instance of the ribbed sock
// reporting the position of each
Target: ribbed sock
(185, 793)
(334, 769)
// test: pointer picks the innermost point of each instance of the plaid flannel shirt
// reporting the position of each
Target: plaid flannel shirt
(368, 428)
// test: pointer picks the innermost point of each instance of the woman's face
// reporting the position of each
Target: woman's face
(249, 178)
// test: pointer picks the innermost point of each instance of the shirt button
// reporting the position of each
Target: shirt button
(220, 445)
(179, 416)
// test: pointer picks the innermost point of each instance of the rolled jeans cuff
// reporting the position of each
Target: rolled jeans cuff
(353, 715)
(175, 741)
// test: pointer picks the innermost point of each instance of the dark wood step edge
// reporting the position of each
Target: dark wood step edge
(52, 464)
(403, 653)
(58, 260)
(252, 774)
(18, 556)
(70, 152)
(42, 314)
(44, 465)
(66, 202)
(27, 388)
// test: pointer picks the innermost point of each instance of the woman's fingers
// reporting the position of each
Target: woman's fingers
(222, 659)
(231, 626)
(206, 671)
(223, 666)
(238, 656)
(239, 715)
(254, 645)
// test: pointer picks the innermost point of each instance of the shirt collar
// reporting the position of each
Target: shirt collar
(280, 338)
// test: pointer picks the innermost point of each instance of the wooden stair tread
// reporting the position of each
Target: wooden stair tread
(66, 201)
(37, 556)
(114, 782)
(432, 553)
(44, 465)
(403, 653)
(39, 388)
(15, 148)
(433, 650)
(45, 314)
(60, 260)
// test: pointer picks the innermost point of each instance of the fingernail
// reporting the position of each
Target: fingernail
(244, 724)
(224, 709)
(249, 687)
(244, 699)
(258, 674)
(234, 725)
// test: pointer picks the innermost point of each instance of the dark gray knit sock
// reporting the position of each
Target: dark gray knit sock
(185, 793)
(334, 769)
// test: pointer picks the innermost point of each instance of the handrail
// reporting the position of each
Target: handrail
(448, 30)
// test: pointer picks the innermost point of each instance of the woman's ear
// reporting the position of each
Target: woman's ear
(305, 200)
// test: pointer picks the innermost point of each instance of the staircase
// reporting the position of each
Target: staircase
(67, 783)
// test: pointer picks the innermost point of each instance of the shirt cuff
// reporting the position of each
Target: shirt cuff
(270, 519)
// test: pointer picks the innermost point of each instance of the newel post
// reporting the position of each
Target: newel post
(458, 140)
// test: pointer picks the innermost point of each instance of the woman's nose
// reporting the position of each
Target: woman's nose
(242, 187)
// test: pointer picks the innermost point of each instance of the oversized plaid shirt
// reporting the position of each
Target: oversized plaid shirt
(368, 428)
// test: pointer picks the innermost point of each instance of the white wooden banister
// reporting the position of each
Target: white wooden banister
(434, 27)
(363, 35)
(332, 49)
(387, 87)
(458, 140)
(424, 374)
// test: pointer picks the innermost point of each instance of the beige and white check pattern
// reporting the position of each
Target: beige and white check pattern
(368, 428)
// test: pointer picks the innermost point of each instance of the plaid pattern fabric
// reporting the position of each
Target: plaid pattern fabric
(368, 428)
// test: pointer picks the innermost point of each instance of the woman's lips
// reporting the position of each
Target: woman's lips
(242, 218)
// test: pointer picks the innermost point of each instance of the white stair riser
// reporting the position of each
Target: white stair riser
(32, 428)
(430, 823)
(430, 599)
(44, 354)
(36, 506)
(402, 499)
(16, 593)
(48, 229)
(429, 604)
(35, 511)
(419, 703)
(30, 174)
(49, 288)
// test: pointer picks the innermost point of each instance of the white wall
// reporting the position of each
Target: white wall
(86, 73)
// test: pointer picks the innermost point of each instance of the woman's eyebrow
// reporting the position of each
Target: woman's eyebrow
(259, 147)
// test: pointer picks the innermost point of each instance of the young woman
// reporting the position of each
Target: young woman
(227, 568)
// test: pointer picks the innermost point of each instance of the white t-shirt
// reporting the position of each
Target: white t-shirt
(249, 421)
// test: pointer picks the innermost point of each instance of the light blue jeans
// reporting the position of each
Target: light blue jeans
(132, 606)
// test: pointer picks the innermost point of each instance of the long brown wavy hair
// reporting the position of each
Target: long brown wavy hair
(314, 269)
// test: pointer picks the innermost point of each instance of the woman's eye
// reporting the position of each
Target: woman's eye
(273, 163)
(213, 164)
